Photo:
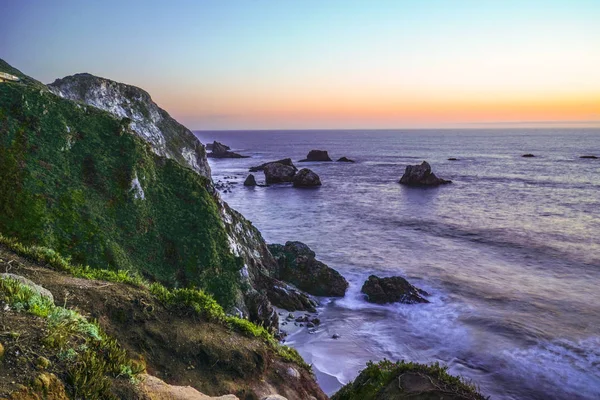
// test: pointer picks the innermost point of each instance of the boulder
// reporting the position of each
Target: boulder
(30, 284)
(528, 155)
(421, 175)
(219, 150)
(152, 388)
(289, 298)
(392, 290)
(250, 181)
(298, 266)
(278, 173)
(344, 159)
(285, 161)
(306, 178)
(317, 155)
(590, 157)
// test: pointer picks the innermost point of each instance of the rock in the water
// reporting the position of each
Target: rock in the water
(30, 284)
(306, 178)
(250, 181)
(298, 266)
(278, 173)
(453, 159)
(285, 161)
(421, 175)
(590, 157)
(528, 155)
(335, 336)
(219, 150)
(344, 159)
(317, 155)
(392, 290)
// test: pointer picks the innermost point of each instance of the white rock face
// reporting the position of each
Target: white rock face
(136, 187)
(149, 121)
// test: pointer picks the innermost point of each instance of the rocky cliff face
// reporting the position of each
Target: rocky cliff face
(167, 137)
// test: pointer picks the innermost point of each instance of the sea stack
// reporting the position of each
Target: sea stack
(306, 178)
(317, 155)
(421, 175)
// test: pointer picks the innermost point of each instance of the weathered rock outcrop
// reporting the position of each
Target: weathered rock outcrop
(167, 137)
(298, 266)
(306, 178)
(278, 173)
(421, 175)
(392, 290)
(345, 159)
(250, 181)
(285, 161)
(317, 155)
(407, 381)
(219, 150)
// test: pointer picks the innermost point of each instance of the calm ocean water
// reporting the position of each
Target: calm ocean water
(510, 251)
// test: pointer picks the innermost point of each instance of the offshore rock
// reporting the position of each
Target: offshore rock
(528, 155)
(285, 161)
(421, 175)
(250, 181)
(345, 159)
(298, 266)
(590, 157)
(278, 173)
(317, 155)
(392, 290)
(306, 178)
(219, 150)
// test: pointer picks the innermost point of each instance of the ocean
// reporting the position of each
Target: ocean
(510, 251)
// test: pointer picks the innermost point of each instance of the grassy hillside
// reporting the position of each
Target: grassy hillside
(76, 179)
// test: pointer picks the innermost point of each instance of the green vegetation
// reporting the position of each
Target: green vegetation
(67, 183)
(377, 377)
(192, 301)
(89, 355)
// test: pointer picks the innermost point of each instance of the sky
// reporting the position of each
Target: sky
(225, 64)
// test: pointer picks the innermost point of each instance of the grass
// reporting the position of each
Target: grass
(90, 356)
(377, 376)
(185, 300)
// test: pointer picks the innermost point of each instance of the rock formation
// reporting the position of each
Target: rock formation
(528, 155)
(317, 155)
(298, 266)
(278, 173)
(345, 159)
(285, 161)
(250, 181)
(392, 290)
(590, 157)
(421, 175)
(306, 178)
(219, 150)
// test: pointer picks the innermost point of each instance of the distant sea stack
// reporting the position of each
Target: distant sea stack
(345, 159)
(317, 155)
(219, 150)
(590, 157)
(528, 155)
(285, 161)
(421, 175)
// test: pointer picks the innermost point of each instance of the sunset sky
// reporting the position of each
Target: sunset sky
(326, 64)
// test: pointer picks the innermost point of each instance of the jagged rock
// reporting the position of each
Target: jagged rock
(421, 175)
(344, 159)
(528, 155)
(590, 157)
(306, 178)
(392, 290)
(298, 266)
(274, 397)
(167, 137)
(250, 181)
(278, 173)
(152, 388)
(30, 284)
(285, 161)
(209, 146)
(289, 298)
(317, 155)
(260, 308)
(219, 150)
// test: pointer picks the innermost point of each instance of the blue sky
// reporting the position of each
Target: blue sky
(324, 64)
